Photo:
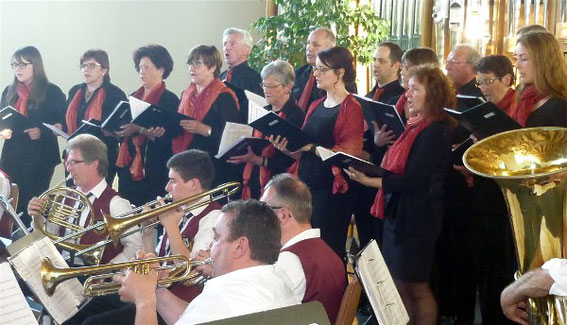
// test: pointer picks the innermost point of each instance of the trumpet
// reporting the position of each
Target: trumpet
(52, 276)
(118, 227)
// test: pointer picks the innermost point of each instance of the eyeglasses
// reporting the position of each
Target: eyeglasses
(274, 208)
(19, 65)
(263, 85)
(486, 82)
(454, 62)
(195, 64)
(90, 65)
(321, 70)
(73, 162)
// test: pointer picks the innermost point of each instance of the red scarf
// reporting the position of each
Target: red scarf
(396, 158)
(265, 172)
(23, 96)
(507, 102)
(197, 106)
(306, 94)
(401, 104)
(348, 135)
(228, 77)
(124, 158)
(377, 93)
(94, 110)
(529, 97)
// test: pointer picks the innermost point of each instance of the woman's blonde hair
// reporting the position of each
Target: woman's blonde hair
(550, 69)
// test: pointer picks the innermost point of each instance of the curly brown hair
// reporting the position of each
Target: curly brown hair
(439, 91)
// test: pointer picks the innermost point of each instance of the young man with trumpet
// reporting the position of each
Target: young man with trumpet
(245, 246)
(187, 231)
(87, 163)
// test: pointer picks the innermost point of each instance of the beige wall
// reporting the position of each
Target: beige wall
(63, 30)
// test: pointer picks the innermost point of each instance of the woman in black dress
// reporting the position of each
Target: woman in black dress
(542, 94)
(277, 80)
(95, 98)
(143, 153)
(334, 122)
(29, 156)
(410, 195)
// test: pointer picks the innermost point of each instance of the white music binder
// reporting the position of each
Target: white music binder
(379, 286)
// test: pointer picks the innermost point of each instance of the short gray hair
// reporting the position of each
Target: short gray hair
(281, 70)
(245, 36)
(293, 194)
(472, 54)
(92, 149)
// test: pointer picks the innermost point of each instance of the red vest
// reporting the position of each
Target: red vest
(102, 204)
(183, 292)
(325, 275)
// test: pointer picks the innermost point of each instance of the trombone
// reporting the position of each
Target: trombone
(118, 226)
(52, 276)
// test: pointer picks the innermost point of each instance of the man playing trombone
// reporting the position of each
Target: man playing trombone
(87, 163)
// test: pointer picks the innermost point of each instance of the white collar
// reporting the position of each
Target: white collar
(198, 211)
(244, 272)
(306, 234)
(98, 189)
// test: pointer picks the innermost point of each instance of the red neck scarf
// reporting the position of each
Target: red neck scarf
(228, 77)
(507, 102)
(23, 96)
(265, 172)
(401, 104)
(197, 106)
(396, 158)
(306, 94)
(94, 110)
(137, 168)
(529, 97)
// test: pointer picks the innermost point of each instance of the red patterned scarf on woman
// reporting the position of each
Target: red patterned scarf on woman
(94, 110)
(197, 106)
(507, 103)
(396, 158)
(401, 104)
(529, 97)
(265, 172)
(124, 158)
(23, 96)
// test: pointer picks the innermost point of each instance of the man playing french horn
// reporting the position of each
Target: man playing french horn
(87, 163)
(190, 173)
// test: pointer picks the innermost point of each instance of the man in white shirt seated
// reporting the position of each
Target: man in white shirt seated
(550, 279)
(246, 243)
(87, 162)
(5, 190)
(307, 264)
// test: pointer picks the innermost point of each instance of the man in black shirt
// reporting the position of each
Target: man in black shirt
(387, 65)
(319, 40)
(460, 68)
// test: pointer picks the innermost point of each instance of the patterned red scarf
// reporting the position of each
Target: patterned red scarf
(396, 158)
(23, 96)
(529, 97)
(197, 106)
(94, 110)
(507, 102)
(137, 168)
(401, 104)
(265, 172)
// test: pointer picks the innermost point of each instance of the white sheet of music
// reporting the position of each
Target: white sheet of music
(56, 131)
(137, 106)
(255, 111)
(14, 308)
(232, 133)
(252, 97)
(324, 153)
(380, 288)
(68, 295)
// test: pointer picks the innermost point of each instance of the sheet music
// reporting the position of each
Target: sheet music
(14, 307)
(56, 131)
(68, 295)
(252, 97)
(137, 106)
(255, 111)
(379, 286)
(324, 153)
(232, 133)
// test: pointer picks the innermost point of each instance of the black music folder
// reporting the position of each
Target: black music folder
(272, 124)
(465, 102)
(11, 119)
(344, 160)
(382, 114)
(120, 116)
(240, 147)
(92, 127)
(484, 120)
(459, 150)
(147, 115)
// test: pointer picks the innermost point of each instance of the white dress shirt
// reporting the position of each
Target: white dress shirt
(245, 291)
(557, 269)
(289, 266)
(5, 189)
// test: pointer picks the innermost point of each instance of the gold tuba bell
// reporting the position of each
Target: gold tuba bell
(530, 166)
